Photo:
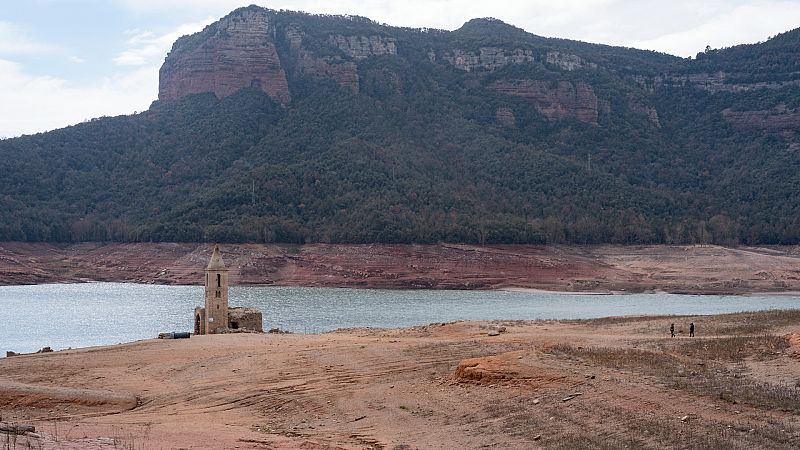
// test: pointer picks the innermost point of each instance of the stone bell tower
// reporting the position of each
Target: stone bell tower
(216, 310)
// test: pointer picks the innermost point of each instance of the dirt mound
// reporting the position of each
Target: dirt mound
(794, 344)
(512, 367)
(14, 395)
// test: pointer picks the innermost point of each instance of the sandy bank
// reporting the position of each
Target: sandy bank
(610, 382)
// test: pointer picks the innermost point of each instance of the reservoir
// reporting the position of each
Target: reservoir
(82, 315)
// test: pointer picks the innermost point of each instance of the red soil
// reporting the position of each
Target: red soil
(606, 383)
(695, 269)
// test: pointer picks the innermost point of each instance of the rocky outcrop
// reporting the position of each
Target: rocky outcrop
(236, 52)
(343, 72)
(711, 82)
(554, 100)
(492, 58)
(637, 106)
(508, 368)
(567, 61)
(505, 116)
(778, 118)
(362, 47)
(487, 58)
(306, 63)
(294, 37)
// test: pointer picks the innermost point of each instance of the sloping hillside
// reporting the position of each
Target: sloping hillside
(288, 127)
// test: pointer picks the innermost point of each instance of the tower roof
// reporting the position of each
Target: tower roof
(216, 260)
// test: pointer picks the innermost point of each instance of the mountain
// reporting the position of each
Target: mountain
(288, 127)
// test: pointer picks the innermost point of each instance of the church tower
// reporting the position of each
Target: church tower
(216, 311)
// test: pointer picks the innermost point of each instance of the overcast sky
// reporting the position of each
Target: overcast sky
(66, 61)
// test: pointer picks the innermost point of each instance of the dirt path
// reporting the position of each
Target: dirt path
(580, 384)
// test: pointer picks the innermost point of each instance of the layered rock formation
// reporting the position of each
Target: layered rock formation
(240, 51)
(567, 61)
(229, 55)
(712, 82)
(261, 48)
(306, 63)
(505, 116)
(362, 47)
(554, 100)
(343, 72)
(487, 58)
(639, 107)
(779, 118)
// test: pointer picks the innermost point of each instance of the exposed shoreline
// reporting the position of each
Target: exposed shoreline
(688, 269)
(510, 384)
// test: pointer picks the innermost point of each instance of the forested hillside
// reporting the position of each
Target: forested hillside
(339, 129)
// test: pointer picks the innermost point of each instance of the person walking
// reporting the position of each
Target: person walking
(691, 329)
(672, 329)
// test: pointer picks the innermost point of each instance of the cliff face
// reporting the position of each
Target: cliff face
(234, 53)
(241, 50)
(345, 73)
(256, 47)
(567, 61)
(713, 82)
(362, 47)
(560, 100)
(487, 58)
(265, 49)
(779, 118)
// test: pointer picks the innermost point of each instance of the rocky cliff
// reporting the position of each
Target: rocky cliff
(256, 47)
(715, 82)
(236, 52)
(555, 100)
(362, 47)
(241, 51)
(567, 61)
(779, 118)
(487, 58)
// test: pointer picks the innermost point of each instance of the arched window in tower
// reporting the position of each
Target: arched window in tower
(219, 280)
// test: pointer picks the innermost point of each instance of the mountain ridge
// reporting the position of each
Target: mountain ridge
(277, 126)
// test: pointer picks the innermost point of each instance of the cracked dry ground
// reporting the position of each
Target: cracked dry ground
(438, 386)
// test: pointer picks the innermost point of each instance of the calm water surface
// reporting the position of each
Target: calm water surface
(82, 315)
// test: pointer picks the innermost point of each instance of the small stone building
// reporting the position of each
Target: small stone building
(217, 317)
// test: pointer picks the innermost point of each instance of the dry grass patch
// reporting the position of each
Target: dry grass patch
(699, 376)
(752, 322)
(734, 348)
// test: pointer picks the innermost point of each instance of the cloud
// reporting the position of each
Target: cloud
(146, 47)
(162, 6)
(46, 102)
(747, 23)
(14, 41)
(36, 103)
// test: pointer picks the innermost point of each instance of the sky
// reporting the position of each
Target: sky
(63, 62)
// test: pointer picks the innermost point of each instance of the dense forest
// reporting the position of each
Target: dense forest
(425, 152)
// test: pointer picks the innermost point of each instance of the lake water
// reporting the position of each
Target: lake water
(82, 315)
